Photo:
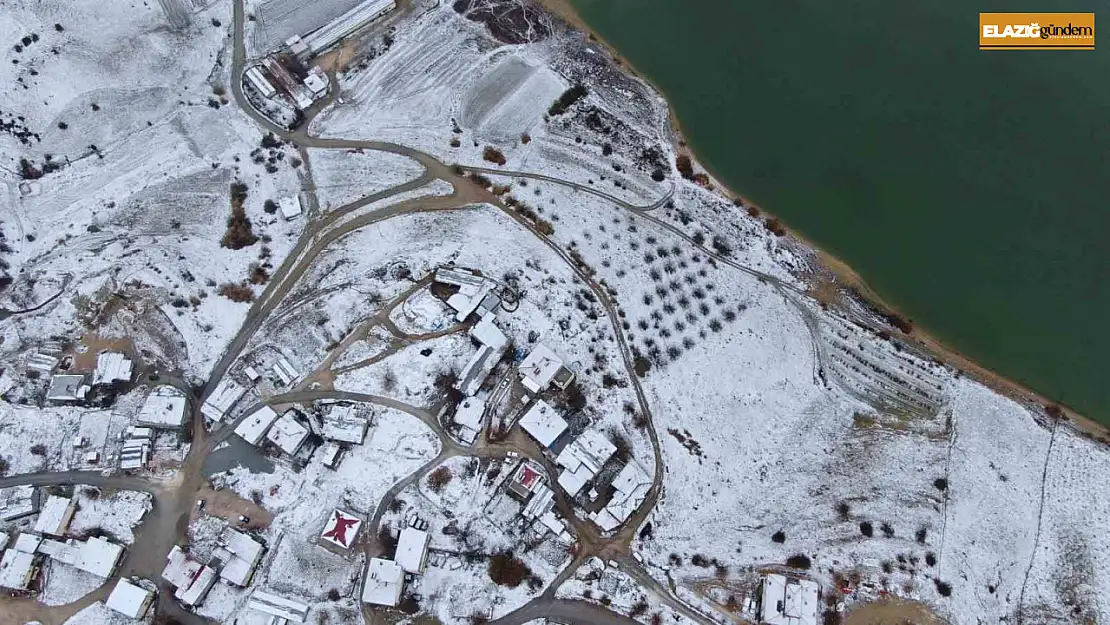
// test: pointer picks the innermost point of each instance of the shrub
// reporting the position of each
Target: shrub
(507, 570)
(641, 365)
(525, 138)
(236, 292)
(568, 99)
(439, 479)
(753, 210)
(799, 561)
(920, 535)
(774, 226)
(866, 529)
(493, 155)
(941, 484)
(239, 233)
(258, 274)
(684, 166)
(333, 595)
(38, 449)
(4, 465)
(931, 558)
(778, 537)
(270, 207)
(455, 142)
(887, 530)
(943, 588)
(843, 510)
(699, 560)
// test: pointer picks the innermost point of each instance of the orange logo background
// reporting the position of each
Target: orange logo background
(1036, 31)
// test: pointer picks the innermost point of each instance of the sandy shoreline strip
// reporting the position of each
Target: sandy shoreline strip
(845, 275)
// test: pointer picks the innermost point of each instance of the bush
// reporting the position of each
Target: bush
(941, 484)
(507, 570)
(799, 561)
(843, 510)
(778, 537)
(439, 479)
(943, 588)
(333, 595)
(684, 166)
(241, 293)
(270, 207)
(920, 535)
(38, 449)
(753, 211)
(568, 99)
(774, 226)
(887, 530)
(4, 465)
(258, 274)
(931, 558)
(239, 233)
(866, 529)
(699, 560)
(493, 155)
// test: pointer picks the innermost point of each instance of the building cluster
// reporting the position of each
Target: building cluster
(234, 561)
(49, 539)
(385, 579)
(73, 387)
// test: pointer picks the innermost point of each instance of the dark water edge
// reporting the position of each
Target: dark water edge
(970, 189)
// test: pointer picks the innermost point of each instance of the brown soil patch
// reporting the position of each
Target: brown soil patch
(228, 505)
(893, 612)
(94, 344)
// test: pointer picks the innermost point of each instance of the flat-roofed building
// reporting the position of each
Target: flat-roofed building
(130, 600)
(542, 423)
(222, 399)
(344, 424)
(164, 408)
(112, 367)
(582, 458)
(280, 608)
(385, 580)
(412, 550)
(785, 601)
(341, 529)
(17, 570)
(55, 515)
(253, 429)
(240, 555)
(17, 502)
(287, 434)
(541, 368)
(66, 389)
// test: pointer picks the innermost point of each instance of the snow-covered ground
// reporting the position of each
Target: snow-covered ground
(117, 514)
(610, 587)
(343, 176)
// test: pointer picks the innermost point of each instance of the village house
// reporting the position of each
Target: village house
(240, 555)
(542, 423)
(281, 609)
(385, 581)
(287, 434)
(786, 601)
(412, 550)
(67, 389)
(222, 399)
(130, 600)
(341, 529)
(112, 367)
(541, 368)
(582, 458)
(55, 515)
(164, 408)
(253, 429)
(192, 579)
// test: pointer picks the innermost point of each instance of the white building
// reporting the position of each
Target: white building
(240, 554)
(347, 24)
(385, 580)
(542, 368)
(98, 556)
(543, 423)
(285, 371)
(260, 83)
(112, 367)
(317, 82)
(412, 550)
(630, 488)
(223, 397)
(475, 295)
(297, 47)
(67, 388)
(283, 610)
(254, 427)
(135, 453)
(192, 579)
(130, 600)
(55, 516)
(341, 529)
(344, 424)
(17, 569)
(469, 416)
(164, 408)
(582, 459)
(17, 502)
(330, 455)
(287, 434)
(487, 333)
(290, 209)
(476, 371)
(788, 601)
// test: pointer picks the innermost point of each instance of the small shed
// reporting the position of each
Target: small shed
(130, 600)
(412, 550)
(385, 580)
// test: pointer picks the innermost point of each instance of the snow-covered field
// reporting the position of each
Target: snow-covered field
(343, 176)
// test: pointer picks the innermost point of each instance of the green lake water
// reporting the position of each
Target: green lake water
(970, 189)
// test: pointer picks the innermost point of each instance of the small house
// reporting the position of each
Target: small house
(65, 389)
(385, 580)
(542, 423)
(130, 600)
(412, 550)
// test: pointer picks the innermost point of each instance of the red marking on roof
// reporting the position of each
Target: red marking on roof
(338, 532)
(527, 476)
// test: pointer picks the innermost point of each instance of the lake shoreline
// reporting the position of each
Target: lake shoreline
(845, 276)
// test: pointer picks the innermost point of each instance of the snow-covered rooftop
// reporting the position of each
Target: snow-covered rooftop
(630, 488)
(198, 590)
(254, 427)
(66, 388)
(477, 369)
(112, 367)
(164, 408)
(99, 556)
(539, 368)
(469, 416)
(287, 434)
(343, 423)
(279, 607)
(385, 580)
(180, 569)
(129, 600)
(290, 207)
(412, 550)
(16, 569)
(223, 397)
(589, 451)
(543, 423)
(788, 601)
(240, 554)
(487, 333)
(27, 542)
(55, 515)
(16, 502)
